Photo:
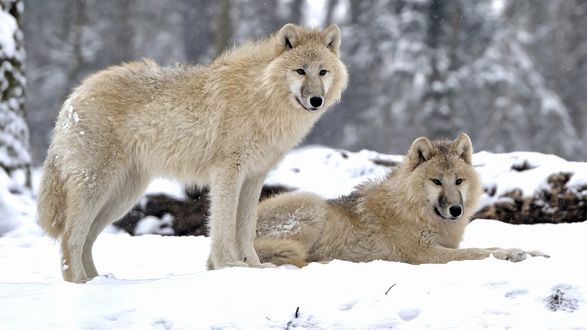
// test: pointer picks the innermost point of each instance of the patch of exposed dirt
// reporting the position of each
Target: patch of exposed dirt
(556, 204)
(191, 215)
(561, 300)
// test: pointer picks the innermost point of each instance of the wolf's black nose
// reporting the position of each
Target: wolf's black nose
(455, 211)
(316, 101)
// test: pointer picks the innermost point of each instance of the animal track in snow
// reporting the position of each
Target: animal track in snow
(408, 314)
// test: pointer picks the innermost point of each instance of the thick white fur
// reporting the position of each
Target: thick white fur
(224, 125)
(398, 218)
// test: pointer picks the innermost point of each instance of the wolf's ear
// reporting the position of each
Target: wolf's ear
(463, 147)
(332, 38)
(420, 151)
(287, 37)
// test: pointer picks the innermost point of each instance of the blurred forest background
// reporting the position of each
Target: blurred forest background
(512, 74)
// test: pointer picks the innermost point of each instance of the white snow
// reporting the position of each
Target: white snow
(14, 133)
(315, 13)
(328, 172)
(160, 282)
(16, 209)
(496, 171)
(151, 224)
(8, 27)
(498, 6)
(13, 151)
(169, 187)
(72, 115)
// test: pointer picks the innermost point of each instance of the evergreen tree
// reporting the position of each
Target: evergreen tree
(14, 134)
(510, 76)
(562, 26)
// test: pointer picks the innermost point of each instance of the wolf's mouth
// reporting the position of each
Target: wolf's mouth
(438, 212)
(307, 109)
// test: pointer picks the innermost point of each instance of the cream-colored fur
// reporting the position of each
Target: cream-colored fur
(224, 124)
(416, 215)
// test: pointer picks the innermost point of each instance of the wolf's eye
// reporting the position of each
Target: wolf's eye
(459, 181)
(323, 72)
(301, 71)
(437, 182)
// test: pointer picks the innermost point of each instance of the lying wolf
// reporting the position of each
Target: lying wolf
(416, 215)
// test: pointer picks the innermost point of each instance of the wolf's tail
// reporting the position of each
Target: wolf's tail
(51, 201)
(281, 251)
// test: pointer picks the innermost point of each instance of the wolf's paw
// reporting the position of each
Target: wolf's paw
(536, 253)
(516, 255)
(220, 265)
(261, 265)
(513, 255)
(236, 263)
(102, 278)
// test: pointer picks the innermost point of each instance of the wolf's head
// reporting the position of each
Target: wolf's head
(440, 172)
(308, 67)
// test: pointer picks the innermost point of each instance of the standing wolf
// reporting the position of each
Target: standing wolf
(224, 125)
(416, 215)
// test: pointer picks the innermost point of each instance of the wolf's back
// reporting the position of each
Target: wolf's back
(51, 201)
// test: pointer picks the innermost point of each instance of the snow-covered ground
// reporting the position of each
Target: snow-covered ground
(160, 282)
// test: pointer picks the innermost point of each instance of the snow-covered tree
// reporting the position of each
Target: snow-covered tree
(14, 134)
(255, 19)
(510, 73)
(384, 47)
(554, 34)
(521, 112)
(435, 68)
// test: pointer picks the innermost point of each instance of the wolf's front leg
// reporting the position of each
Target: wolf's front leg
(246, 219)
(224, 192)
(440, 254)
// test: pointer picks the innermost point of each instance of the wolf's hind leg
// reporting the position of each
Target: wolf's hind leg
(281, 251)
(129, 190)
(80, 212)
